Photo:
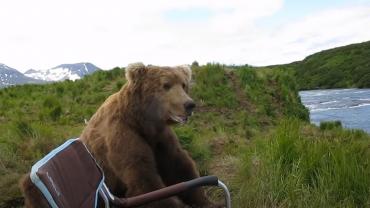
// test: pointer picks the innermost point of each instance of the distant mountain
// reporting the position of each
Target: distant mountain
(63, 72)
(10, 76)
(341, 67)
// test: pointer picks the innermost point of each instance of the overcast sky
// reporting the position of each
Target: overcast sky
(41, 34)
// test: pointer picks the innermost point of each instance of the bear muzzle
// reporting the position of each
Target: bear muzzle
(189, 107)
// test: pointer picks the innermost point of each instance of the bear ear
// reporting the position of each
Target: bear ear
(186, 70)
(134, 70)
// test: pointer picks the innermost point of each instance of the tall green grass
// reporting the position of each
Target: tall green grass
(212, 87)
(273, 92)
(299, 166)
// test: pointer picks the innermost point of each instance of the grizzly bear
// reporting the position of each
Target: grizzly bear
(131, 138)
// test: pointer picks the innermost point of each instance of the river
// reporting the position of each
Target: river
(350, 106)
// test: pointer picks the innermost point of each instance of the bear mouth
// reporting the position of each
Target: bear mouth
(179, 119)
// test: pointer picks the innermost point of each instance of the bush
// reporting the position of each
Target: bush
(52, 109)
(119, 84)
(194, 65)
(59, 90)
(55, 113)
(50, 102)
(329, 125)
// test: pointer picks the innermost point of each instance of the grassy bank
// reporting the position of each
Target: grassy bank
(249, 128)
(297, 165)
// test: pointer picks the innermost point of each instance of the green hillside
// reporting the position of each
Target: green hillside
(342, 67)
(249, 128)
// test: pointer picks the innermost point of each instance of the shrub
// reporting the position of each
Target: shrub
(55, 113)
(329, 125)
(195, 64)
(119, 84)
(59, 90)
(50, 102)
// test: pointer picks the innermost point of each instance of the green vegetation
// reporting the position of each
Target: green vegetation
(342, 67)
(296, 165)
(214, 75)
(249, 128)
(330, 125)
(36, 118)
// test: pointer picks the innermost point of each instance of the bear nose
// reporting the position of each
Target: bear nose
(189, 107)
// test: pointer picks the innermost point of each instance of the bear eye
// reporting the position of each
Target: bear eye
(183, 86)
(167, 86)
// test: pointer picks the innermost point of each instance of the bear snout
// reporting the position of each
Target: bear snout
(189, 107)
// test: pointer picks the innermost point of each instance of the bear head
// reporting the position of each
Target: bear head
(161, 93)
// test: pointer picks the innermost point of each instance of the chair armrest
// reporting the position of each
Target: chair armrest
(165, 192)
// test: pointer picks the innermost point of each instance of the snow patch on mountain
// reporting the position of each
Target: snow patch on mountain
(63, 72)
(10, 76)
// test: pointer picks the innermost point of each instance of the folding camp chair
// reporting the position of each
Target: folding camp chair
(70, 177)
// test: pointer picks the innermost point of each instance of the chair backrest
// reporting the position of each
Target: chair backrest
(68, 176)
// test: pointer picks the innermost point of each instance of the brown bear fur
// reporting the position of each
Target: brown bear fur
(131, 138)
(33, 197)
